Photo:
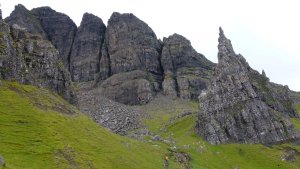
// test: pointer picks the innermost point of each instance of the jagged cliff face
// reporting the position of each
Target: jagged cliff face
(25, 19)
(30, 59)
(131, 45)
(86, 49)
(125, 60)
(60, 30)
(186, 72)
(241, 105)
(130, 56)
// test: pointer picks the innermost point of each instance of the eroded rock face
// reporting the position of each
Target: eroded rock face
(0, 14)
(241, 105)
(60, 29)
(86, 50)
(131, 45)
(25, 19)
(30, 59)
(186, 72)
(130, 88)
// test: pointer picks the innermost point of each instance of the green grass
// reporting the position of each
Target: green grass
(296, 121)
(204, 155)
(38, 129)
(34, 134)
(246, 156)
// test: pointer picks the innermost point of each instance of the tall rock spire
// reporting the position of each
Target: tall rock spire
(86, 49)
(241, 105)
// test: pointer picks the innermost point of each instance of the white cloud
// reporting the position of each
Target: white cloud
(265, 32)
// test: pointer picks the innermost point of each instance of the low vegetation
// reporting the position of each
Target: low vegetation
(204, 155)
(41, 130)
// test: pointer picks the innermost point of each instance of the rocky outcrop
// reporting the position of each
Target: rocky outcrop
(117, 117)
(86, 50)
(30, 59)
(0, 14)
(25, 19)
(186, 72)
(130, 45)
(129, 88)
(60, 29)
(241, 105)
(295, 96)
(2, 161)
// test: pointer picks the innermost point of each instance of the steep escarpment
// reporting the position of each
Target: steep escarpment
(30, 59)
(130, 46)
(60, 29)
(241, 105)
(86, 49)
(125, 60)
(186, 72)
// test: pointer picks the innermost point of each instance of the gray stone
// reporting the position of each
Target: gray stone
(128, 88)
(30, 59)
(86, 50)
(2, 161)
(60, 29)
(119, 118)
(156, 138)
(130, 71)
(0, 14)
(241, 105)
(25, 19)
(131, 45)
(186, 72)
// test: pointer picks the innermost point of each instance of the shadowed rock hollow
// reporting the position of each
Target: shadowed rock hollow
(241, 105)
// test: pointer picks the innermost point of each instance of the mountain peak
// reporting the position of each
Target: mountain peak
(226, 51)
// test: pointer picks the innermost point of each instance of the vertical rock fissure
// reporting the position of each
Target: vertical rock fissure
(70, 51)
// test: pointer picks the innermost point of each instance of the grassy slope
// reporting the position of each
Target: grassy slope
(204, 155)
(34, 135)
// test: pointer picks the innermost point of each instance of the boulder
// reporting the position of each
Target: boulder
(240, 105)
(131, 88)
(2, 161)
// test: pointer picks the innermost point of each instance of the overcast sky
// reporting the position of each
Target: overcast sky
(265, 32)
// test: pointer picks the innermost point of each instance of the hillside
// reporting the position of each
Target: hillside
(41, 130)
(115, 96)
